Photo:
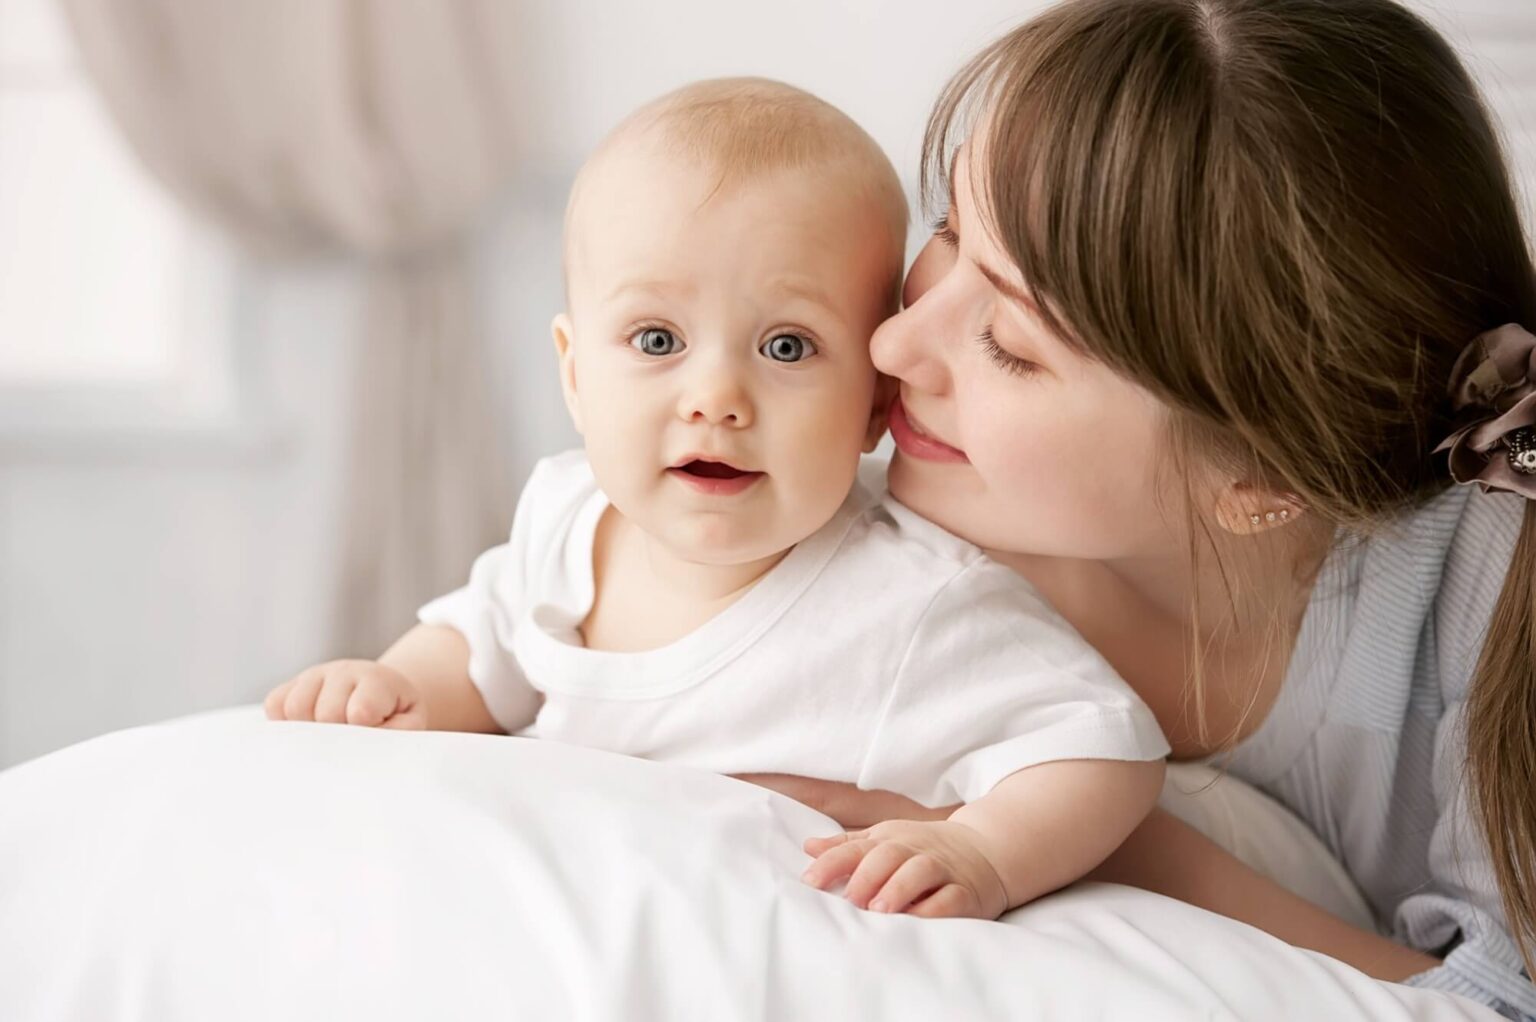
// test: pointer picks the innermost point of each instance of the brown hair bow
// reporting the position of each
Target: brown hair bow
(1496, 376)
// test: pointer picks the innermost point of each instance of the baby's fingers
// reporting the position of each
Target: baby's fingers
(370, 705)
(874, 871)
(331, 703)
(837, 863)
(407, 719)
(950, 900)
(273, 704)
(919, 876)
(299, 703)
(819, 845)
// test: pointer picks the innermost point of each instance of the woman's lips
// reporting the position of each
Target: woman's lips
(714, 477)
(915, 442)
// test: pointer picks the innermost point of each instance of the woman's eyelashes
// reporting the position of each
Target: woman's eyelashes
(1003, 358)
(999, 356)
(945, 233)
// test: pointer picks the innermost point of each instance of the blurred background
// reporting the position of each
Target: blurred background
(257, 259)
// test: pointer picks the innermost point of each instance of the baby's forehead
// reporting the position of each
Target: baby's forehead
(647, 148)
(640, 181)
(643, 171)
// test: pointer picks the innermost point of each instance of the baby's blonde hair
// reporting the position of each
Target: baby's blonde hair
(744, 129)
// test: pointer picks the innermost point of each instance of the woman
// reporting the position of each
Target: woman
(1182, 350)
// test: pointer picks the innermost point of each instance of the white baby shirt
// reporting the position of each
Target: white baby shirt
(881, 651)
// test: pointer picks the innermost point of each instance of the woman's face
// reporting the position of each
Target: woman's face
(1004, 435)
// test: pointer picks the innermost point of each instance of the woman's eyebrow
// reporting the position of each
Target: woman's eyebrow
(997, 280)
(1008, 288)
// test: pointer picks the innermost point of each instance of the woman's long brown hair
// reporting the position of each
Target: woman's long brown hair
(1285, 218)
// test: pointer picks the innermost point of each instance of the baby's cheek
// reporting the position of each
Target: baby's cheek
(621, 471)
(832, 442)
(822, 490)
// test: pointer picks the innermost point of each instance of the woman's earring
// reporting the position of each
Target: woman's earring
(1236, 511)
(1271, 517)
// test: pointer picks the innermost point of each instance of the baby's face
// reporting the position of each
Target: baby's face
(716, 354)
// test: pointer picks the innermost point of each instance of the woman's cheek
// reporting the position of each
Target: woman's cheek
(999, 431)
(1031, 455)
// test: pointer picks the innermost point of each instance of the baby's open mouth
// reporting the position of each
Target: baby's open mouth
(713, 470)
(714, 478)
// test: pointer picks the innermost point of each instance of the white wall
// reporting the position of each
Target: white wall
(143, 579)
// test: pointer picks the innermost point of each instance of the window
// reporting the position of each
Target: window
(114, 306)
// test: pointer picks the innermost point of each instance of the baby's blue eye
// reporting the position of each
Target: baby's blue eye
(788, 348)
(656, 341)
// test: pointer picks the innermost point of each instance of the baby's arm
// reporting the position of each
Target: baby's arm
(436, 659)
(1036, 831)
(422, 681)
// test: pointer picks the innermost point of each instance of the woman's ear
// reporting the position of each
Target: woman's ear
(1247, 508)
(562, 331)
(880, 412)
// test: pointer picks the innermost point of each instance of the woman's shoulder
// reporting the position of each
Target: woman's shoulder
(1476, 562)
(1483, 540)
(1391, 635)
(1433, 552)
(1436, 570)
(1396, 618)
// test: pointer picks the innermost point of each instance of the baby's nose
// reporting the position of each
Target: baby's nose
(717, 400)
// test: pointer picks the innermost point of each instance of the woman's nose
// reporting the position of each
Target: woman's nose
(910, 345)
(716, 397)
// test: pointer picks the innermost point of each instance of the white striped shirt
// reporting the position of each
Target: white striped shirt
(1366, 740)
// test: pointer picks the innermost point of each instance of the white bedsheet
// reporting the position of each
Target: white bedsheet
(223, 868)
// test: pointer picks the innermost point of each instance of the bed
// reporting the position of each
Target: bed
(223, 867)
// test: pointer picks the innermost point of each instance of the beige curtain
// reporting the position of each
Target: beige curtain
(382, 129)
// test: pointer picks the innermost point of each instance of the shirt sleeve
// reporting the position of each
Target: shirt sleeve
(994, 681)
(486, 610)
(1461, 910)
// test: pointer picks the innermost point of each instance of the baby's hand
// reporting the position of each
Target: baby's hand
(923, 869)
(349, 692)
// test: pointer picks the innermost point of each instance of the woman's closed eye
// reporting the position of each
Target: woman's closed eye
(1003, 358)
(945, 233)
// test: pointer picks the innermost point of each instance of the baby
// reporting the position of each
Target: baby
(707, 583)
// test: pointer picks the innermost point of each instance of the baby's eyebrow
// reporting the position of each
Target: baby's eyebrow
(806, 290)
(659, 288)
(803, 287)
(787, 286)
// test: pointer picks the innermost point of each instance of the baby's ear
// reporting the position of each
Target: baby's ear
(562, 332)
(880, 412)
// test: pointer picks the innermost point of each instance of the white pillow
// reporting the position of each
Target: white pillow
(1264, 834)
(225, 868)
